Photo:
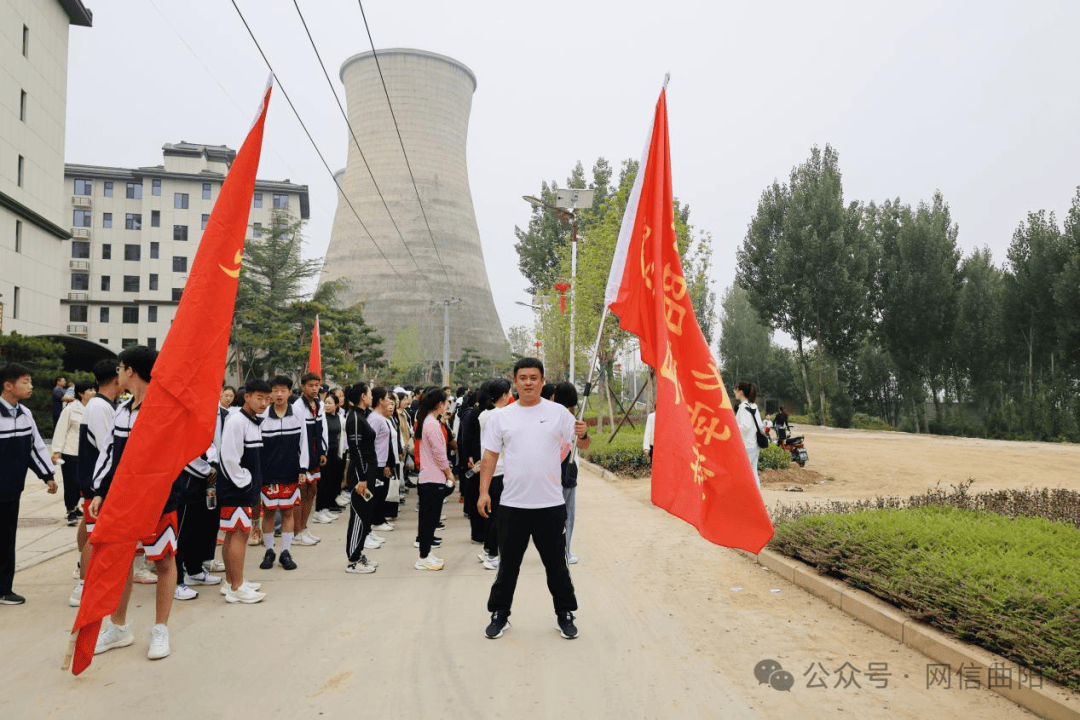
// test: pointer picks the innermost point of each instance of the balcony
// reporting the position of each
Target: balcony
(80, 200)
(79, 296)
(80, 329)
(81, 233)
(79, 265)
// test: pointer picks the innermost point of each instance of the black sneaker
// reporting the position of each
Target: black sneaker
(12, 599)
(72, 519)
(566, 625)
(268, 559)
(499, 621)
(285, 560)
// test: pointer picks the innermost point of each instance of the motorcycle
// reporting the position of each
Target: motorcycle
(794, 444)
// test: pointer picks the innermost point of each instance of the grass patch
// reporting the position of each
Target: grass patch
(623, 455)
(1009, 585)
(862, 421)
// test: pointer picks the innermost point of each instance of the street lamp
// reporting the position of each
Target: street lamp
(569, 201)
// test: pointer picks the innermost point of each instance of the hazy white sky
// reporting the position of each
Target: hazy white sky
(974, 99)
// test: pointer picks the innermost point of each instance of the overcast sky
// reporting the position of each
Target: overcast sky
(975, 99)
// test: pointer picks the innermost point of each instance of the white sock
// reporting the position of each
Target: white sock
(268, 540)
(286, 541)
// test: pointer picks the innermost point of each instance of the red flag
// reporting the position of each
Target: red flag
(177, 416)
(314, 362)
(701, 472)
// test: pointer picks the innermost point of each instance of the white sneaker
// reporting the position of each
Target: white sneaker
(491, 563)
(342, 499)
(303, 539)
(243, 595)
(246, 584)
(377, 538)
(321, 517)
(571, 558)
(183, 592)
(159, 642)
(371, 543)
(76, 595)
(481, 556)
(214, 566)
(145, 577)
(202, 578)
(385, 527)
(359, 568)
(307, 533)
(113, 636)
(429, 563)
(77, 572)
(365, 561)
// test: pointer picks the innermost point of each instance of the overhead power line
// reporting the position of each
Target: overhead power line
(312, 140)
(408, 165)
(356, 142)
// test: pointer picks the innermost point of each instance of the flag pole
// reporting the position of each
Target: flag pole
(589, 378)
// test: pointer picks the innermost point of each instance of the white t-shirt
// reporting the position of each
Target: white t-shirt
(532, 441)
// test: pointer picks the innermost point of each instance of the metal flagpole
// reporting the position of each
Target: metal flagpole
(590, 375)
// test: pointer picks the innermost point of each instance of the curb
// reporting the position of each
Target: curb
(46, 556)
(1052, 701)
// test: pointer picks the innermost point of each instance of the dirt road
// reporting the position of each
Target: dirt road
(671, 627)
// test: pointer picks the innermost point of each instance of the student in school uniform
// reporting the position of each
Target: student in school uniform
(239, 484)
(310, 408)
(21, 448)
(285, 458)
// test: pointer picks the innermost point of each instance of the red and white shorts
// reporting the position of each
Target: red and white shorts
(281, 496)
(235, 518)
(162, 544)
(314, 475)
(86, 515)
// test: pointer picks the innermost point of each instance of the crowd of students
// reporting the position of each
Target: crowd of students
(283, 458)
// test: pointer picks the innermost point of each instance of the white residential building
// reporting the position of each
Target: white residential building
(135, 233)
(33, 212)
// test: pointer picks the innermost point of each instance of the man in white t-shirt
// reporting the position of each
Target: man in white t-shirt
(532, 436)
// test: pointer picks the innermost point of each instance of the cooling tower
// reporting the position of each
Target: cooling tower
(428, 259)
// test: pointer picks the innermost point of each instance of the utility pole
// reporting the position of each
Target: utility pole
(446, 335)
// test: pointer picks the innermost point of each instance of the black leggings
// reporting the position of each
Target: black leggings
(70, 472)
(491, 533)
(431, 501)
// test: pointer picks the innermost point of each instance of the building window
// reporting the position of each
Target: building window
(155, 218)
(22, 105)
(134, 191)
(133, 221)
(133, 252)
(25, 41)
(128, 342)
(81, 218)
(108, 188)
(257, 199)
(151, 313)
(281, 201)
(84, 186)
(15, 303)
(106, 252)
(22, 163)
(256, 230)
(106, 283)
(179, 232)
(206, 191)
(104, 341)
(155, 250)
(103, 316)
(151, 343)
(78, 313)
(205, 219)
(80, 249)
(180, 201)
(80, 281)
(131, 314)
(176, 293)
(155, 187)
(106, 220)
(153, 281)
(179, 264)
(131, 283)
(18, 236)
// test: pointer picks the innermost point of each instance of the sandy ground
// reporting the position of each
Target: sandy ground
(859, 464)
(671, 626)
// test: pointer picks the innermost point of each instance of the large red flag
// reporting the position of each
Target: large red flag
(176, 420)
(314, 362)
(701, 472)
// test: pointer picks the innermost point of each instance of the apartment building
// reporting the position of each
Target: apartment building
(134, 236)
(33, 104)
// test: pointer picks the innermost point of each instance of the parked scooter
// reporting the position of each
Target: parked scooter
(794, 445)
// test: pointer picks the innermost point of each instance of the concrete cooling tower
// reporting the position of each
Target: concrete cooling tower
(431, 96)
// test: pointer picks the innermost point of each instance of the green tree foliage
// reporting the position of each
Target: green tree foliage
(42, 357)
(744, 339)
(273, 321)
(406, 362)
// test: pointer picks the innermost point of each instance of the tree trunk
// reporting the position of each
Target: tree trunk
(610, 406)
(821, 379)
(915, 414)
(805, 379)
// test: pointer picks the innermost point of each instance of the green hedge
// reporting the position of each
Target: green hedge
(862, 421)
(1010, 586)
(773, 458)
